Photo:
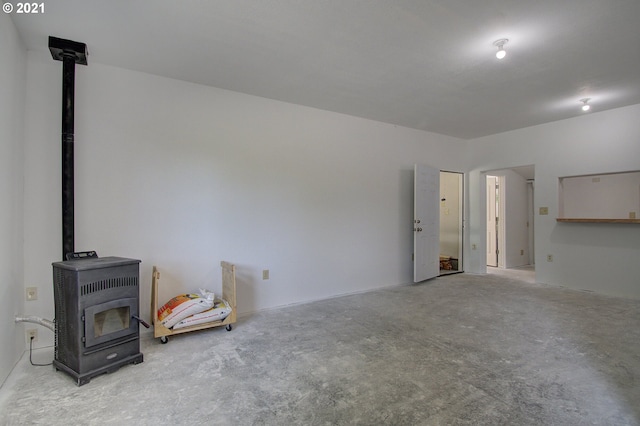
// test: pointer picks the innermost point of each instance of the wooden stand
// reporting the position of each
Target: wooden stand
(228, 294)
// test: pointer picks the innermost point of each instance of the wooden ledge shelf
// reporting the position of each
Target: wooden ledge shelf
(582, 220)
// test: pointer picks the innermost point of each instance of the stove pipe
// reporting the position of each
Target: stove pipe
(70, 53)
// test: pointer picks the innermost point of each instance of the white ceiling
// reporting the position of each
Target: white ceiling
(423, 64)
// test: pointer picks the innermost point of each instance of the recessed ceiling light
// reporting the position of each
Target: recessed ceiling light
(501, 53)
(585, 104)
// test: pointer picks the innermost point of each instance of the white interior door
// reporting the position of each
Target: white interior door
(492, 239)
(426, 223)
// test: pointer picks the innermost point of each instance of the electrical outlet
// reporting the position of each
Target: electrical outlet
(32, 293)
(549, 258)
(265, 274)
(32, 333)
(521, 252)
(474, 247)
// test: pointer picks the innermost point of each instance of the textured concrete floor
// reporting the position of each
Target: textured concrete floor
(457, 350)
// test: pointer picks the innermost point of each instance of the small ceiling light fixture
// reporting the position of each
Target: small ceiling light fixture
(585, 104)
(501, 53)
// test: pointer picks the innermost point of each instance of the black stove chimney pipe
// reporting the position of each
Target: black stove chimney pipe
(70, 53)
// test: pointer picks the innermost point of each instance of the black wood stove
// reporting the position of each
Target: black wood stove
(96, 299)
(96, 322)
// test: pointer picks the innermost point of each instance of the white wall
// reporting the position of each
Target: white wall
(12, 96)
(182, 176)
(603, 257)
(516, 248)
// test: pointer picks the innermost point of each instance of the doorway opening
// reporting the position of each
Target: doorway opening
(451, 222)
(494, 207)
(509, 214)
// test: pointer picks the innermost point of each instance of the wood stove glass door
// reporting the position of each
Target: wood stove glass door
(111, 320)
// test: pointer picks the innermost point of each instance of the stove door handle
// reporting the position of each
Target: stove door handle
(141, 321)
